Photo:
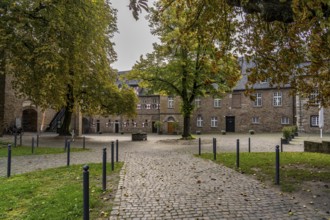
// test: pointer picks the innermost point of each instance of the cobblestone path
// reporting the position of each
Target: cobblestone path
(173, 185)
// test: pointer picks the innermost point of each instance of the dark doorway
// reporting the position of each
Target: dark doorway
(98, 126)
(30, 120)
(154, 129)
(85, 126)
(230, 123)
(116, 126)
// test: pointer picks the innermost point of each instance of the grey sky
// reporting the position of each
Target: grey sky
(134, 37)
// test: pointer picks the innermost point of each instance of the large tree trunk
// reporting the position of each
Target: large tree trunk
(65, 127)
(186, 127)
(2, 91)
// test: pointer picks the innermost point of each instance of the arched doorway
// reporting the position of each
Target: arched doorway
(85, 126)
(30, 120)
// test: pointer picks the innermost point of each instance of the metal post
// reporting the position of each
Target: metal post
(199, 146)
(214, 149)
(86, 192)
(32, 145)
(249, 145)
(104, 173)
(237, 153)
(277, 166)
(117, 145)
(37, 140)
(68, 154)
(282, 145)
(15, 139)
(20, 139)
(112, 156)
(9, 161)
(84, 142)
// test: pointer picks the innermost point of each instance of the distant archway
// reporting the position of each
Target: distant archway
(30, 120)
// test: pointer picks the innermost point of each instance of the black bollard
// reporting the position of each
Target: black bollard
(282, 144)
(249, 145)
(117, 143)
(214, 149)
(37, 140)
(84, 142)
(86, 192)
(32, 145)
(237, 153)
(199, 146)
(68, 154)
(20, 139)
(15, 139)
(277, 166)
(112, 156)
(104, 173)
(9, 161)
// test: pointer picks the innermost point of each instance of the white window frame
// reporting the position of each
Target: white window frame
(138, 106)
(216, 102)
(199, 121)
(314, 121)
(258, 100)
(285, 120)
(197, 102)
(313, 97)
(277, 99)
(256, 120)
(214, 122)
(170, 102)
(148, 106)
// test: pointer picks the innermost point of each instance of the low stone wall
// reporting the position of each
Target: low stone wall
(139, 137)
(323, 147)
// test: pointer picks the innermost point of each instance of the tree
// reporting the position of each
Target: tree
(294, 51)
(288, 40)
(60, 54)
(193, 58)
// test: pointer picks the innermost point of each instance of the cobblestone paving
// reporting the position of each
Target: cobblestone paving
(172, 185)
(163, 180)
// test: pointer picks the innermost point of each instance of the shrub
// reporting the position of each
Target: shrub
(223, 132)
(251, 131)
(287, 132)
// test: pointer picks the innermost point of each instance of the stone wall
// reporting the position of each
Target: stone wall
(317, 147)
(269, 115)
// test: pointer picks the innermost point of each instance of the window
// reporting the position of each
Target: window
(277, 99)
(285, 120)
(138, 106)
(258, 100)
(199, 121)
(217, 103)
(148, 106)
(170, 102)
(154, 100)
(198, 102)
(314, 121)
(313, 98)
(214, 122)
(255, 120)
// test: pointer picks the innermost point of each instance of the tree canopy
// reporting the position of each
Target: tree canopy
(60, 54)
(193, 58)
(288, 40)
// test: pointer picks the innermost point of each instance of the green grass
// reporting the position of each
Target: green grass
(24, 150)
(56, 193)
(295, 168)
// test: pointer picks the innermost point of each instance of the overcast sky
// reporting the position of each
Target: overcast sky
(134, 37)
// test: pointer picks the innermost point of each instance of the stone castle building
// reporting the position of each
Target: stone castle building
(271, 110)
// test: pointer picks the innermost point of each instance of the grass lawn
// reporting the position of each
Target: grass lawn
(24, 150)
(295, 167)
(57, 193)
